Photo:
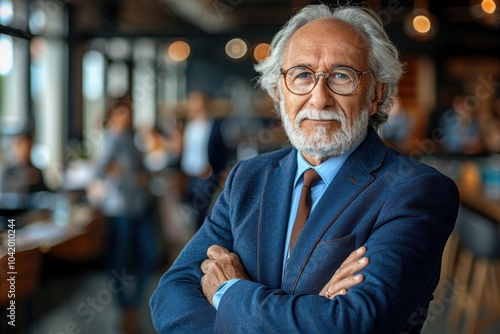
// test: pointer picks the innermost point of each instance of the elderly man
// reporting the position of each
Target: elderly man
(262, 263)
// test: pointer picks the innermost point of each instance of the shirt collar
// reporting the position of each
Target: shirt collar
(328, 168)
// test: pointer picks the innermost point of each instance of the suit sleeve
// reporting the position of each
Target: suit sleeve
(404, 247)
(178, 304)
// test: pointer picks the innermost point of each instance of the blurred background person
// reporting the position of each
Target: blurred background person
(19, 178)
(204, 155)
(491, 127)
(461, 132)
(443, 103)
(161, 151)
(397, 131)
(120, 191)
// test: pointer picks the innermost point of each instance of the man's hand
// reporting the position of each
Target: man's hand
(221, 266)
(345, 277)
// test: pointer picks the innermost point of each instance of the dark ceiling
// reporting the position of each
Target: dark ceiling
(459, 30)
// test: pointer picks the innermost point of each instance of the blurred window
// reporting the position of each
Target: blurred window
(48, 95)
(49, 74)
(14, 13)
(144, 83)
(13, 83)
(117, 78)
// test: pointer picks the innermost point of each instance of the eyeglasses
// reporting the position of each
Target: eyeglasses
(342, 80)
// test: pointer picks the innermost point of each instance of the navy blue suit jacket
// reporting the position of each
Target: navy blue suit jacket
(401, 210)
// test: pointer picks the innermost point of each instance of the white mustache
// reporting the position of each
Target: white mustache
(319, 115)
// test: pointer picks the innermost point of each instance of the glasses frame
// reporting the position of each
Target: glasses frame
(325, 75)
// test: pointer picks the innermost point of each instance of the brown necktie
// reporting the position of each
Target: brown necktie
(310, 178)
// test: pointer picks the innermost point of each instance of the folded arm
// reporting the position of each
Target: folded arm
(222, 266)
(196, 312)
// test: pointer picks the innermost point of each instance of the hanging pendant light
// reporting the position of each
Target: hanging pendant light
(420, 23)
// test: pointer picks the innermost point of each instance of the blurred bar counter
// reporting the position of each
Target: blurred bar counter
(42, 230)
(475, 194)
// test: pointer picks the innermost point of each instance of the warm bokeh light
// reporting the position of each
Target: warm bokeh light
(179, 51)
(488, 6)
(422, 24)
(236, 48)
(261, 51)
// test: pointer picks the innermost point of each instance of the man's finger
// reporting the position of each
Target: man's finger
(346, 276)
(355, 255)
(341, 287)
(205, 265)
(216, 251)
(349, 269)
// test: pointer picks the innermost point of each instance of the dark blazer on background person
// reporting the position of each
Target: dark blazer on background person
(379, 199)
(218, 151)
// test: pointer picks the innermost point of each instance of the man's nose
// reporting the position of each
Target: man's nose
(321, 95)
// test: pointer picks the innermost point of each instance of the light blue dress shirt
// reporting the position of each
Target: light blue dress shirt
(327, 170)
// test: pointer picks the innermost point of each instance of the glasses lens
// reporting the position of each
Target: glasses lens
(300, 80)
(343, 80)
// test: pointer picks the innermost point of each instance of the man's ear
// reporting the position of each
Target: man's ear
(277, 94)
(379, 93)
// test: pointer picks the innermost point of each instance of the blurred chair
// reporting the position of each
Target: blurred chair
(477, 272)
(27, 279)
(448, 264)
(27, 268)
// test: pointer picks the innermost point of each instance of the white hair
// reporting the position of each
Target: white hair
(383, 54)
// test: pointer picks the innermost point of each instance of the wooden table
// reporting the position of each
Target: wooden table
(81, 238)
(46, 234)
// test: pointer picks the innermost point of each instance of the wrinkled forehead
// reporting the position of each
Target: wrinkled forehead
(329, 38)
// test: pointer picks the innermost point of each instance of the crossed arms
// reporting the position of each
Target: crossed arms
(222, 266)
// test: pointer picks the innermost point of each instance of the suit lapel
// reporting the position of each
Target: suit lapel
(273, 220)
(354, 176)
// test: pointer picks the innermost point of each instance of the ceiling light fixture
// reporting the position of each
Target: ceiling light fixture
(260, 51)
(420, 23)
(236, 48)
(488, 6)
(178, 51)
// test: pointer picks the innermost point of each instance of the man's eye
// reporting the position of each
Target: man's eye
(340, 76)
(303, 75)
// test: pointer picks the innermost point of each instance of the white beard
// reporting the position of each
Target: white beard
(323, 144)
